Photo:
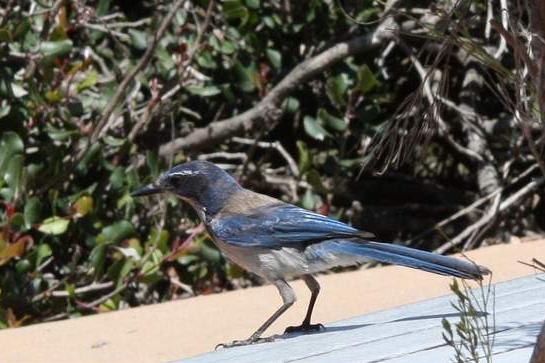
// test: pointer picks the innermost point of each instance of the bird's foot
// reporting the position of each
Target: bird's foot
(251, 340)
(304, 328)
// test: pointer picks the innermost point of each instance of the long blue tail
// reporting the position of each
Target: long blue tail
(346, 250)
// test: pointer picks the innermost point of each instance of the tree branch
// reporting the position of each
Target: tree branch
(268, 109)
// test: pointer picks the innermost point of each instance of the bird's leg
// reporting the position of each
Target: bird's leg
(306, 325)
(288, 298)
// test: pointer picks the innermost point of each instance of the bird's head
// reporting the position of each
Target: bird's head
(204, 185)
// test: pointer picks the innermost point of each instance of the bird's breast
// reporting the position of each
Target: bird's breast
(270, 264)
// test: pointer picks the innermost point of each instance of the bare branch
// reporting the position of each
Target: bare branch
(80, 290)
(272, 145)
(507, 203)
(538, 355)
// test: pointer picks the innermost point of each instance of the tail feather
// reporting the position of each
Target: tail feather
(409, 257)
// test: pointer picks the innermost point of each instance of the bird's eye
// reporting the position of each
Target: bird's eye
(176, 182)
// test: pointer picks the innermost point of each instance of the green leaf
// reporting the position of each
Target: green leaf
(58, 32)
(14, 172)
(17, 221)
(253, 4)
(10, 145)
(313, 178)
(335, 123)
(234, 271)
(56, 48)
(114, 141)
(83, 205)
(71, 289)
(269, 22)
(60, 134)
(117, 178)
(116, 232)
(233, 10)
(212, 255)
(275, 57)
(244, 77)
(90, 156)
(227, 47)
(158, 239)
(290, 105)
(102, 7)
(43, 252)
(5, 108)
(310, 200)
(88, 82)
(33, 211)
(349, 163)
(22, 266)
(138, 39)
(110, 304)
(304, 157)
(54, 225)
(97, 259)
(150, 271)
(336, 88)
(203, 91)
(164, 57)
(206, 60)
(366, 79)
(367, 13)
(152, 162)
(181, 17)
(120, 269)
(53, 96)
(314, 129)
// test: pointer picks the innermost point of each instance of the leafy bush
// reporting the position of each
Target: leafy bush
(71, 239)
(98, 98)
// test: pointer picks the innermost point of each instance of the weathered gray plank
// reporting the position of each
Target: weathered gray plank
(410, 333)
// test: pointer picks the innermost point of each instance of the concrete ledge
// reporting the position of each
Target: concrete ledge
(178, 329)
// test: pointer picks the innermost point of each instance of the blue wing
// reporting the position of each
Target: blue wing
(279, 225)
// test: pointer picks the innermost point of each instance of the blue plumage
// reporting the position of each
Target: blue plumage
(400, 255)
(279, 225)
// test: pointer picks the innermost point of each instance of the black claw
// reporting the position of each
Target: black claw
(304, 328)
(240, 343)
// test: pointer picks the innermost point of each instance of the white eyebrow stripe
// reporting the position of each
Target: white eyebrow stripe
(186, 172)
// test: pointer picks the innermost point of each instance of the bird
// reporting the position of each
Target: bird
(279, 241)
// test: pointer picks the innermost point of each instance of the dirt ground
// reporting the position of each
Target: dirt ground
(179, 329)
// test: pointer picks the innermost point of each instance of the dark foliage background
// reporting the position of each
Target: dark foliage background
(419, 121)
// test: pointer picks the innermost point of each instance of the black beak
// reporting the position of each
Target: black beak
(147, 190)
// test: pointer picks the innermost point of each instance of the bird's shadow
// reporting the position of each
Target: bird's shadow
(340, 328)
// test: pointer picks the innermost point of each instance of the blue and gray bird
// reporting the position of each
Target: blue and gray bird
(279, 241)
